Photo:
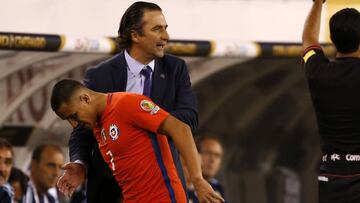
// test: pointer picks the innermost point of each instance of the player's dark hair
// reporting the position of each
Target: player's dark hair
(63, 91)
(36, 155)
(131, 21)
(4, 144)
(345, 30)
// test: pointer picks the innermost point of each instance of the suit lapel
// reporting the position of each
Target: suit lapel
(119, 73)
(158, 82)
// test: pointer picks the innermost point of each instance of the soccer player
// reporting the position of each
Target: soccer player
(130, 129)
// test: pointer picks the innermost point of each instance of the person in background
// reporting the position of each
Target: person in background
(6, 163)
(18, 180)
(46, 163)
(211, 155)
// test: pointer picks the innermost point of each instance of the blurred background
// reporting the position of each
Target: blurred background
(244, 60)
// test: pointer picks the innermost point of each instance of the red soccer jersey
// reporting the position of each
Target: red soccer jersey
(141, 161)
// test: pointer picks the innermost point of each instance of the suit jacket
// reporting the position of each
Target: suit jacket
(6, 193)
(171, 90)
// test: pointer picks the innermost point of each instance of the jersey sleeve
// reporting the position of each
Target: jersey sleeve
(314, 60)
(143, 113)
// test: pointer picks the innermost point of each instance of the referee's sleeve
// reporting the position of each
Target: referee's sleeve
(310, 51)
(314, 61)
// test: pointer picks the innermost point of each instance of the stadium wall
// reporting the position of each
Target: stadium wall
(240, 20)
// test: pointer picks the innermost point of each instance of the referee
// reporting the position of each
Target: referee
(335, 92)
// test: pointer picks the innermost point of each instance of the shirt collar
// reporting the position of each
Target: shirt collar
(134, 66)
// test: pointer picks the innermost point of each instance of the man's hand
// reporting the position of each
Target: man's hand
(205, 193)
(74, 175)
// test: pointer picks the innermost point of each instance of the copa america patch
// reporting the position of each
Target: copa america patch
(149, 106)
(103, 135)
(114, 132)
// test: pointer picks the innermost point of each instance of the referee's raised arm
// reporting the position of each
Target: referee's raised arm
(311, 30)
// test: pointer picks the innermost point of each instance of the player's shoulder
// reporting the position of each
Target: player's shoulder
(128, 97)
(127, 102)
(122, 102)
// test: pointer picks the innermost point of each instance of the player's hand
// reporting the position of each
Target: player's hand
(74, 175)
(205, 193)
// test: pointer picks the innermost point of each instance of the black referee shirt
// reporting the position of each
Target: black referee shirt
(335, 93)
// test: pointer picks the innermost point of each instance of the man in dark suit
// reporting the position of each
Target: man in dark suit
(143, 68)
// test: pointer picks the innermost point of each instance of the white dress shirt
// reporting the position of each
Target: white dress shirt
(135, 80)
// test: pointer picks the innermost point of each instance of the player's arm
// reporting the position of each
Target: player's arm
(182, 137)
(311, 30)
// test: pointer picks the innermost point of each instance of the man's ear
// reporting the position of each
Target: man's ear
(85, 98)
(135, 36)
